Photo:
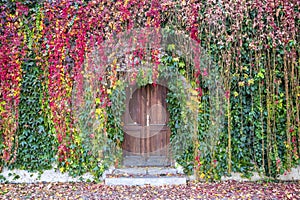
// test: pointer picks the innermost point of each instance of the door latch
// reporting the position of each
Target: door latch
(148, 120)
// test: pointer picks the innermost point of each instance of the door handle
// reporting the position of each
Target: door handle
(148, 120)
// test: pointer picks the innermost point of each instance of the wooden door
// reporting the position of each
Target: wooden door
(146, 135)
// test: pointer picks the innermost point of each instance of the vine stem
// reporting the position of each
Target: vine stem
(257, 57)
(262, 129)
(196, 145)
(297, 88)
(269, 111)
(226, 56)
(288, 117)
(229, 134)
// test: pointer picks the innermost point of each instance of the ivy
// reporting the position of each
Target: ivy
(35, 133)
(58, 105)
(114, 126)
(181, 115)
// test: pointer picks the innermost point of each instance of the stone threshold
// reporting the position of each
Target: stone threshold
(146, 181)
(155, 176)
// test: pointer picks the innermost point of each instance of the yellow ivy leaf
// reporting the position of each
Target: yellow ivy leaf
(97, 101)
(176, 59)
(98, 111)
(202, 175)
(251, 81)
(61, 169)
(126, 2)
(241, 83)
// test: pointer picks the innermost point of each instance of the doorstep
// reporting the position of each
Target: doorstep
(155, 176)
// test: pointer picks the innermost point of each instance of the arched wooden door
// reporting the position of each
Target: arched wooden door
(146, 135)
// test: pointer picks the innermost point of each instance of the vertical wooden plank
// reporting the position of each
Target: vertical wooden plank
(142, 118)
(147, 122)
(155, 103)
(168, 140)
(160, 100)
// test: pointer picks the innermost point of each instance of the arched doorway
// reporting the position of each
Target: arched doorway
(146, 134)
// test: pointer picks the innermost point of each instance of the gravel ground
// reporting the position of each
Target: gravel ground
(192, 190)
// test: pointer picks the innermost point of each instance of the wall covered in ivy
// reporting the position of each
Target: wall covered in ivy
(59, 103)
